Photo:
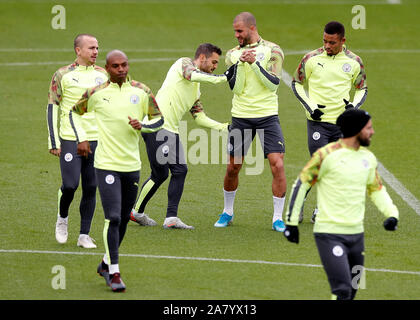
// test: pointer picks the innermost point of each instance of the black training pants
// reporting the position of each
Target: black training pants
(342, 256)
(74, 166)
(118, 192)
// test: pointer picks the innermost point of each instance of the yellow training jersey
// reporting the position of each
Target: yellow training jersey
(329, 80)
(118, 143)
(255, 87)
(343, 175)
(67, 86)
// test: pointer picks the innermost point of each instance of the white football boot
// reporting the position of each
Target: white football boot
(85, 241)
(175, 223)
(142, 219)
(61, 233)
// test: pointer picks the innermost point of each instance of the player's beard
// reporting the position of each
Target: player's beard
(364, 141)
(246, 41)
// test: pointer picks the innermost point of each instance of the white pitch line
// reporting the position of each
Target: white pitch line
(399, 188)
(389, 178)
(150, 256)
(101, 49)
(43, 63)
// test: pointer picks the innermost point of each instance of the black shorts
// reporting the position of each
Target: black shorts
(320, 134)
(242, 132)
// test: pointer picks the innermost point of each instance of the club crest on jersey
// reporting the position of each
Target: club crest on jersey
(346, 67)
(365, 163)
(134, 99)
(260, 56)
(98, 81)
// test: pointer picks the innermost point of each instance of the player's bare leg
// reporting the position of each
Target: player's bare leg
(279, 186)
(230, 185)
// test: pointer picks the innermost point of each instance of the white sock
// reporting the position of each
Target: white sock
(114, 268)
(105, 258)
(278, 204)
(66, 219)
(229, 197)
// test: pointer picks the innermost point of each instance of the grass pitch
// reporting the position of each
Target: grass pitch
(248, 260)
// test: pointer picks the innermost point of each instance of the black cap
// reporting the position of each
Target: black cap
(352, 121)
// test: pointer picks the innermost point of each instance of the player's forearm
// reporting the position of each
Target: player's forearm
(300, 93)
(52, 125)
(203, 77)
(384, 203)
(202, 120)
(191, 73)
(295, 202)
(236, 77)
(359, 97)
(76, 123)
(269, 80)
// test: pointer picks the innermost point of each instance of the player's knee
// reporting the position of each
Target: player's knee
(160, 176)
(115, 220)
(232, 169)
(277, 166)
(69, 188)
(180, 170)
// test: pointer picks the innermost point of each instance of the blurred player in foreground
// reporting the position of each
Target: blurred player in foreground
(343, 170)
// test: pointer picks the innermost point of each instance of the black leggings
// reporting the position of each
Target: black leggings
(165, 153)
(343, 258)
(74, 166)
(118, 192)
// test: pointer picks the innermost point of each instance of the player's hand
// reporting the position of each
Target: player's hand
(292, 233)
(83, 149)
(348, 105)
(317, 113)
(248, 56)
(390, 224)
(224, 127)
(136, 124)
(55, 152)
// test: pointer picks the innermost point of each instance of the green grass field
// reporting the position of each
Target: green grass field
(163, 264)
